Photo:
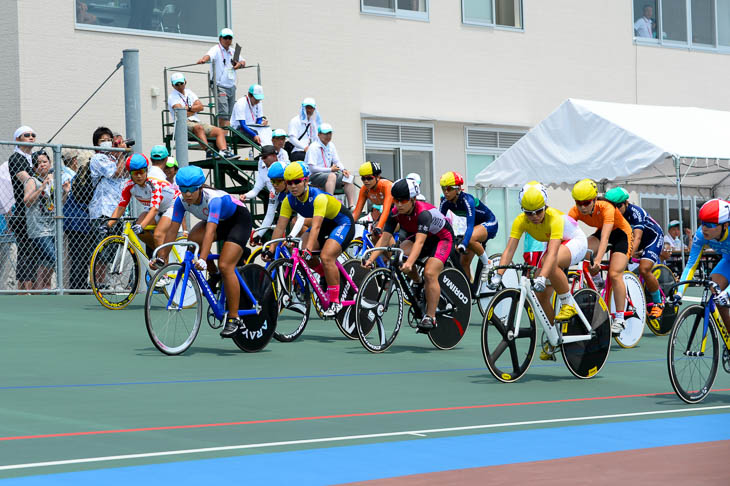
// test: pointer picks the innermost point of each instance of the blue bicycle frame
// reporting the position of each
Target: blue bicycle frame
(367, 244)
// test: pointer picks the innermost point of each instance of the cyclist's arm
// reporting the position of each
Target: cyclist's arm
(388, 232)
(418, 242)
(508, 253)
(360, 203)
(178, 213)
(603, 244)
(284, 216)
(314, 231)
(550, 258)
(208, 238)
(693, 262)
(387, 204)
(470, 215)
(637, 234)
(268, 217)
(297, 226)
(147, 218)
(118, 212)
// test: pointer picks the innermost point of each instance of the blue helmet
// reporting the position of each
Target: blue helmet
(190, 176)
(276, 171)
(137, 162)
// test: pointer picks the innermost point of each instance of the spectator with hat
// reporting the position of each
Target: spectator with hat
(328, 173)
(267, 157)
(221, 56)
(303, 129)
(182, 97)
(278, 139)
(248, 111)
(158, 157)
(170, 169)
(674, 236)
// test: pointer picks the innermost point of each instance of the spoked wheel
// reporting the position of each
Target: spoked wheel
(345, 318)
(692, 355)
(510, 280)
(378, 310)
(354, 249)
(292, 297)
(586, 358)
(507, 357)
(172, 316)
(255, 256)
(634, 326)
(257, 329)
(453, 311)
(114, 273)
(663, 325)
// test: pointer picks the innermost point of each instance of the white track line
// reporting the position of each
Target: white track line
(350, 437)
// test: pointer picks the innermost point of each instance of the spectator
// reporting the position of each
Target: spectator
(278, 139)
(221, 56)
(158, 159)
(673, 237)
(182, 97)
(171, 168)
(303, 129)
(644, 25)
(249, 110)
(108, 176)
(328, 173)
(267, 157)
(79, 239)
(20, 170)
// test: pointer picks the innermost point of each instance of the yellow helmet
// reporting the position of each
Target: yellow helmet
(584, 190)
(533, 196)
(296, 170)
(370, 169)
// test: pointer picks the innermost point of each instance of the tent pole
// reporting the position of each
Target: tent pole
(681, 203)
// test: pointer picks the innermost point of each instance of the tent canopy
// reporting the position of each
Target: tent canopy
(632, 145)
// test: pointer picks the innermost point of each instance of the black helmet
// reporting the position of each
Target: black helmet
(404, 189)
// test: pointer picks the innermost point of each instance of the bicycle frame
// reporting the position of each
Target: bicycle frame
(367, 244)
(583, 274)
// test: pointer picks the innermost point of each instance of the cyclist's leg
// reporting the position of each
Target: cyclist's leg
(163, 224)
(721, 276)
(559, 283)
(571, 252)
(622, 248)
(236, 231)
(649, 258)
(433, 290)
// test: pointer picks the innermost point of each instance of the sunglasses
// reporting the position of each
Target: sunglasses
(367, 178)
(277, 181)
(179, 84)
(533, 213)
(449, 188)
(710, 225)
(584, 203)
(138, 171)
(188, 188)
(227, 37)
(28, 135)
(294, 182)
(401, 201)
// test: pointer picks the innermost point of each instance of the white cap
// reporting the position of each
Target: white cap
(226, 32)
(177, 78)
(414, 177)
(325, 128)
(309, 102)
(22, 130)
(257, 91)
(278, 133)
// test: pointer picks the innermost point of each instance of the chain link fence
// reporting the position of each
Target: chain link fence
(46, 234)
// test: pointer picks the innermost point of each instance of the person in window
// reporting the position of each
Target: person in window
(328, 173)
(303, 129)
(644, 25)
(249, 110)
(221, 55)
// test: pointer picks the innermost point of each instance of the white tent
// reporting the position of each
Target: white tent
(646, 148)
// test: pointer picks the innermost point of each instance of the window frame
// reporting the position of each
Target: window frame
(494, 24)
(693, 200)
(152, 33)
(397, 12)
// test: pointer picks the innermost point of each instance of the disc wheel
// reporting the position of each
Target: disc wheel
(172, 317)
(114, 273)
(634, 325)
(692, 355)
(666, 279)
(453, 311)
(585, 359)
(257, 329)
(508, 358)
(292, 297)
(345, 318)
(378, 310)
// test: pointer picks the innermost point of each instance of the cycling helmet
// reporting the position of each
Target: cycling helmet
(584, 190)
(296, 170)
(415, 178)
(404, 189)
(276, 171)
(370, 168)
(617, 195)
(715, 211)
(137, 162)
(190, 176)
(451, 178)
(533, 196)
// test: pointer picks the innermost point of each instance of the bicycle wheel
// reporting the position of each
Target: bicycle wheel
(255, 256)
(114, 273)
(510, 280)
(634, 326)
(453, 311)
(172, 319)
(257, 329)
(692, 355)
(354, 249)
(666, 279)
(508, 358)
(378, 310)
(345, 318)
(586, 358)
(292, 297)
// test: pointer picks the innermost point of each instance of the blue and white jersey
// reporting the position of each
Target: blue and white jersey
(699, 243)
(638, 218)
(472, 209)
(215, 206)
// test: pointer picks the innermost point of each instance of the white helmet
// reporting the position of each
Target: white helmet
(414, 177)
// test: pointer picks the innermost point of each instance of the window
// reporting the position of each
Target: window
(505, 13)
(704, 24)
(644, 19)
(410, 9)
(666, 208)
(723, 23)
(167, 18)
(674, 20)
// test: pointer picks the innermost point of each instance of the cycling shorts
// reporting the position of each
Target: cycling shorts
(491, 227)
(236, 228)
(653, 249)
(723, 267)
(436, 247)
(341, 232)
(578, 246)
(618, 240)
(168, 213)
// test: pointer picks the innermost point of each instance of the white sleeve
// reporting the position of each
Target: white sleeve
(294, 127)
(298, 224)
(268, 217)
(312, 160)
(258, 185)
(335, 156)
(236, 115)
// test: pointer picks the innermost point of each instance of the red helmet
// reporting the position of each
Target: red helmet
(137, 162)
(451, 178)
(715, 211)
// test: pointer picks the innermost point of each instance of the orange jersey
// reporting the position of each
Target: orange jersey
(380, 194)
(603, 212)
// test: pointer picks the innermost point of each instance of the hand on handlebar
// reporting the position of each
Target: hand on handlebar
(723, 299)
(306, 254)
(406, 267)
(266, 255)
(157, 263)
(495, 281)
(676, 299)
(366, 263)
(461, 249)
(539, 284)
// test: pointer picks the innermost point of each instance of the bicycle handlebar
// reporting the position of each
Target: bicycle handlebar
(288, 239)
(181, 243)
(393, 249)
(697, 283)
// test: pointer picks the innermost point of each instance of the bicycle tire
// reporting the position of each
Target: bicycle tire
(374, 309)
(692, 376)
(510, 279)
(292, 297)
(496, 339)
(666, 278)
(114, 291)
(451, 327)
(256, 330)
(585, 359)
(633, 326)
(354, 249)
(345, 318)
(255, 256)
(168, 332)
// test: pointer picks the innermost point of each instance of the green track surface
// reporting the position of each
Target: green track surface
(84, 368)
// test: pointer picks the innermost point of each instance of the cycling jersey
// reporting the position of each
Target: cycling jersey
(603, 212)
(215, 207)
(652, 236)
(428, 220)
(314, 202)
(474, 211)
(699, 243)
(153, 194)
(555, 226)
(380, 194)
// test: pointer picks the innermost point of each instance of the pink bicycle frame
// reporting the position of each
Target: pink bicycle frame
(298, 260)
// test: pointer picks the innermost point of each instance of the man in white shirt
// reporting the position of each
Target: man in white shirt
(328, 173)
(267, 157)
(158, 159)
(221, 56)
(644, 25)
(248, 116)
(278, 139)
(181, 97)
(303, 129)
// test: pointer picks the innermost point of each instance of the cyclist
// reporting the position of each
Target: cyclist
(428, 233)
(377, 190)
(276, 176)
(648, 239)
(157, 196)
(566, 245)
(713, 233)
(332, 228)
(611, 227)
(481, 225)
(222, 217)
